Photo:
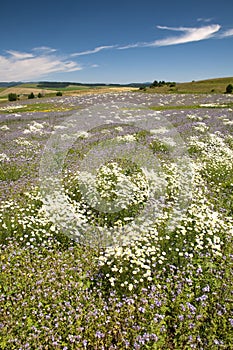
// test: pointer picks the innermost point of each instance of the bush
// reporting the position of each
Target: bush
(39, 95)
(31, 95)
(229, 89)
(59, 93)
(12, 97)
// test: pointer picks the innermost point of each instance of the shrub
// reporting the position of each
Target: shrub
(31, 95)
(59, 93)
(229, 89)
(12, 97)
(39, 95)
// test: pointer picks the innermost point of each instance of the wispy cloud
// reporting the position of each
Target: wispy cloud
(95, 50)
(200, 19)
(189, 35)
(132, 46)
(19, 55)
(25, 66)
(226, 34)
(44, 49)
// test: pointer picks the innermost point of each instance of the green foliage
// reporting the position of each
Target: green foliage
(229, 89)
(162, 83)
(158, 146)
(12, 97)
(31, 95)
(10, 172)
(39, 95)
(59, 93)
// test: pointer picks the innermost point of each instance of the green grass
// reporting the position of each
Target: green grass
(27, 85)
(70, 88)
(217, 85)
(39, 107)
(11, 172)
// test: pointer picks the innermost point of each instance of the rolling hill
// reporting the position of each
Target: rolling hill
(215, 85)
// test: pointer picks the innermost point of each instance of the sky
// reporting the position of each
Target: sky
(121, 41)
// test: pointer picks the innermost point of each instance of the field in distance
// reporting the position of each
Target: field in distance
(215, 85)
(23, 90)
(50, 89)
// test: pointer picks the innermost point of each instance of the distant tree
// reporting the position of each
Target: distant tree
(31, 95)
(59, 93)
(229, 89)
(12, 97)
(39, 95)
(154, 84)
(161, 83)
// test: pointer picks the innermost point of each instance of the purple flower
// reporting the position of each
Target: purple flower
(191, 307)
(99, 335)
(84, 342)
(206, 289)
(141, 309)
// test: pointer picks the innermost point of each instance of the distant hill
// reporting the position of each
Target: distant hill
(57, 85)
(50, 89)
(214, 85)
(63, 84)
(9, 84)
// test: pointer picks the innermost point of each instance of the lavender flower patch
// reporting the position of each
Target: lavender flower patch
(130, 246)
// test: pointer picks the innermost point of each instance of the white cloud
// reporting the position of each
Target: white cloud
(131, 46)
(26, 66)
(189, 35)
(44, 49)
(200, 19)
(19, 55)
(226, 34)
(97, 49)
(176, 29)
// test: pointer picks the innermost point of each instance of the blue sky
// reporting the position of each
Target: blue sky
(116, 41)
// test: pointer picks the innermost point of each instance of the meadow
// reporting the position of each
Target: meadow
(116, 223)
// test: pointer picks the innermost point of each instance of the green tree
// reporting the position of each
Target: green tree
(59, 93)
(39, 95)
(229, 89)
(12, 97)
(31, 95)
(154, 84)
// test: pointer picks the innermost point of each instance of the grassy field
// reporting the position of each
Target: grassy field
(213, 86)
(201, 87)
(24, 90)
(116, 223)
